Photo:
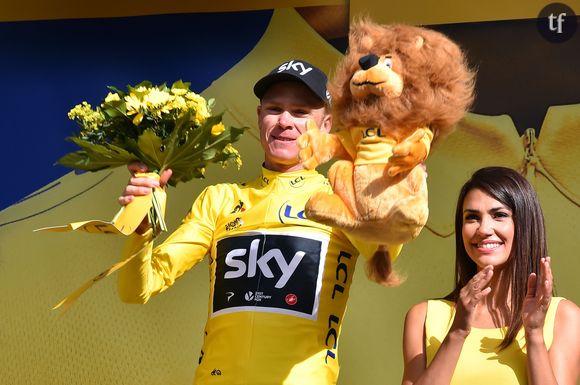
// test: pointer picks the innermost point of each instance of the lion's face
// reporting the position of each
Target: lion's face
(400, 77)
(376, 76)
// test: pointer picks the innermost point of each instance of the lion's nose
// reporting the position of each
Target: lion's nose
(368, 61)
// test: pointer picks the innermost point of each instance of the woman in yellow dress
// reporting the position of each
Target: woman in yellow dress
(500, 324)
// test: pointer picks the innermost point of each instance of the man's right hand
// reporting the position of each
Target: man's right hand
(139, 185)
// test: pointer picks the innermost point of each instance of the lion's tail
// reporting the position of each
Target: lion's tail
(380, 269)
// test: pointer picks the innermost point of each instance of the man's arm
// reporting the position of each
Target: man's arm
(153, 270)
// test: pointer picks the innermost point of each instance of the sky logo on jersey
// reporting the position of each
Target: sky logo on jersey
(262, 263)
(267, 270)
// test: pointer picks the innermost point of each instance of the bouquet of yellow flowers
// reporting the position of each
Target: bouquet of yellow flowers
(163, 127)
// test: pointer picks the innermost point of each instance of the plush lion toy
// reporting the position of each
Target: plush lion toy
(398, 89)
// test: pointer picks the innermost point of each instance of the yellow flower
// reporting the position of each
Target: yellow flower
(230, 149)
(178, 103)
(217, 129)
(198, 104)
(178, 91)
(156, 98)
(238, 161)
(112, 97)
(86, 116)
(134, 104)
(79, 110)
(138, 119)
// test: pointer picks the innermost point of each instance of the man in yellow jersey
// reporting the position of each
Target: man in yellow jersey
(279, 282)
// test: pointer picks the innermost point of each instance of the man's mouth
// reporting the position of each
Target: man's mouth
(283, 139)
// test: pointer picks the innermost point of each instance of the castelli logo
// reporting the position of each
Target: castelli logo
(291, 299)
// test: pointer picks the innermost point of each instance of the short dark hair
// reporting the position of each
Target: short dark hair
(529, 245)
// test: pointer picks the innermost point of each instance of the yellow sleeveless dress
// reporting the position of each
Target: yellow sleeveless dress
(481, 361)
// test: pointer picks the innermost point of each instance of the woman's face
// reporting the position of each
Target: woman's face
(488, 229)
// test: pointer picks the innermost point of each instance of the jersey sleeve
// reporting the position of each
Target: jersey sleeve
(153, 270)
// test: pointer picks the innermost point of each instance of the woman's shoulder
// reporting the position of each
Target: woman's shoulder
(416, 315)
(567, 313)
(420, 309)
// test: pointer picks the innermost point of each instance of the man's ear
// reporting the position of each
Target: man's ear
(326, 123)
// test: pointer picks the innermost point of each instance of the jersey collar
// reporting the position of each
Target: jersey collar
(292, 179)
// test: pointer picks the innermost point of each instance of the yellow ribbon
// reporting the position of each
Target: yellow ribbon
(124, 222)
(127, 219)
(69, 300)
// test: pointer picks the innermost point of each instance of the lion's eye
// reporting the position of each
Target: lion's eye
(388, 62)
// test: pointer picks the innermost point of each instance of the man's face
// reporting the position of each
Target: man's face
(285, 108)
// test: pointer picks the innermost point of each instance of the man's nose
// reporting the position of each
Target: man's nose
(285, 119)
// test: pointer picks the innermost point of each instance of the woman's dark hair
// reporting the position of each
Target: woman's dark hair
(529, 245)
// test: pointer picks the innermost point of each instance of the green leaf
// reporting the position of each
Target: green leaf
(133, 147)
(181, 125)
(144, 83)
(181, 85)
(187, 158)
(193, 147)
(209, 154)
(79, 160)
(151, 146)
(114, 109)
(95, 157)
(116, 90)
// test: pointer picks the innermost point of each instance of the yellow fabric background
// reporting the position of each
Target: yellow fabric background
(70, 9)
(429, 12)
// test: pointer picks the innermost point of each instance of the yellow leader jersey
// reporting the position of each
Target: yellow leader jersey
(279, 282)
(481, 361)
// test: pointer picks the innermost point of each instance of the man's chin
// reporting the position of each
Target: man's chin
(280, 163)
